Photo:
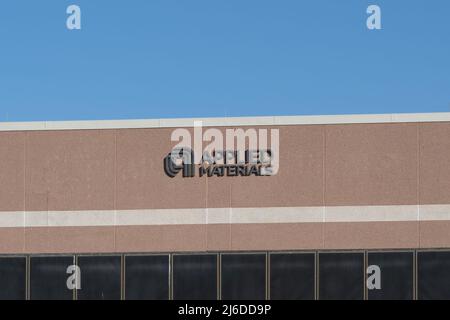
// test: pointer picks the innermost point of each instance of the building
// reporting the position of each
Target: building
(353, 193)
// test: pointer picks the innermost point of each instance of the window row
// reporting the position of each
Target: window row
(323, 275)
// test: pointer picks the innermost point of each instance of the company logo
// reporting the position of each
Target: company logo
(239, 153)
(179, 160)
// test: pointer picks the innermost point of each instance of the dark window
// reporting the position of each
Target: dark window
(433, 275)
(147, 277)
(48, 278)
(244, 276)
(13, 278)
(195, 277)
(100, 278)
(292, 276)
(341, 276)
(396, 275)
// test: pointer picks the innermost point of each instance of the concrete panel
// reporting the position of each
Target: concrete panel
(372, 164)
(434, 163)
(70, 170)
(12, 171)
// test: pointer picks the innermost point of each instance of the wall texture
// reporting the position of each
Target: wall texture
(340, 186)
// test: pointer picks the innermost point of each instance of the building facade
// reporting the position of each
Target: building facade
(352, 194)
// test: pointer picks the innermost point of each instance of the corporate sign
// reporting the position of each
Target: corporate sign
(241, 153)
(255, 163)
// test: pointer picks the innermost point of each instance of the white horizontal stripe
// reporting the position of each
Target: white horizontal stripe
(219, 215)
(161, 217)
(12, 219)
(371, 213)
(81, 218)
(224, 216)
(277, 215)
(434, 212)
(37, 219)
(221, 122)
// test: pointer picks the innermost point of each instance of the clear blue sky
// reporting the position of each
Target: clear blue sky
(165, 58)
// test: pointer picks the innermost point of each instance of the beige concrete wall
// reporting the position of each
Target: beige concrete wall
(383, 164)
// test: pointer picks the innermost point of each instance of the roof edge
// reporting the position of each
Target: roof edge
(226, 122)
